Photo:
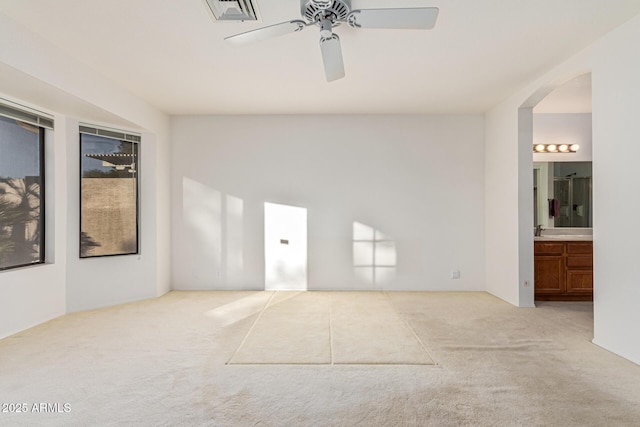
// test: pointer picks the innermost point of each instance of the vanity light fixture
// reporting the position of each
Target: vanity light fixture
(554, 148)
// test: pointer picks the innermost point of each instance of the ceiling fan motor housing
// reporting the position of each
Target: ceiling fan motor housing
(316, 10)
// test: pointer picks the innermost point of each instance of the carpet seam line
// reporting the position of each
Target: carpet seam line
(406, 323)
(330, 329)
(266, 305)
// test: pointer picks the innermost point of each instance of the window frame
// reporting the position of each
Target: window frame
(42, 255)
(129, 137)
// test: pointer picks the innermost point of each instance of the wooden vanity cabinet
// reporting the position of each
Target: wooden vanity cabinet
(563, 271)
(580, 268)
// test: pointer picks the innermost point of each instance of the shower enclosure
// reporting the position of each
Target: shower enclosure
(574, 195)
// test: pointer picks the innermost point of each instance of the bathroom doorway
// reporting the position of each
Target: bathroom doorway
(562, 196)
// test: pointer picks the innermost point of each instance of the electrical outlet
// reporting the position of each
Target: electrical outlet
(455, 274)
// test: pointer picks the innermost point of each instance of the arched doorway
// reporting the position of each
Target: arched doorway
(557, 117)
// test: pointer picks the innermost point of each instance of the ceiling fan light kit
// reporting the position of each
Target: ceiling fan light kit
(327, 14)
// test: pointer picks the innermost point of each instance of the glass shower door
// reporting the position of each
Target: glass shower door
(574, 195)
(581, 206)
(562, 192)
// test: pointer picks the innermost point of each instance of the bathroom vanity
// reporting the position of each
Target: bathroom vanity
(563, 268)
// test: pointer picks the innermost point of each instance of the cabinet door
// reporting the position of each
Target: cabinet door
(579, 281)
(549, 274)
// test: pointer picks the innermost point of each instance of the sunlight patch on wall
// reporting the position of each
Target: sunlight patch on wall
(214, 223)
(285, 247)
(233, 236)
(202, 216)
(374, 257)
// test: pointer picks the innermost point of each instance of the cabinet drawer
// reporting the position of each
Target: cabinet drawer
(548, 248)
(579, 248)
(580, 261)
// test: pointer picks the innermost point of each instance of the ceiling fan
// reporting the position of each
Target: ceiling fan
(327, 14)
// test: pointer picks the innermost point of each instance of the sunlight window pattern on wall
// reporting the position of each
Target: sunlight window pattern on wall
(374, 256)
(108, 192)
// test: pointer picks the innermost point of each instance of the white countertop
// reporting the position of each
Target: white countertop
(564, 238)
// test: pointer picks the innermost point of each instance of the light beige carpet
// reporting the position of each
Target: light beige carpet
(330, 328)
(293, 328)
(162, 362)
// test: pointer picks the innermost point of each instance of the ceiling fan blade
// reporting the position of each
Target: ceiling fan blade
(267, 32)
(332, 57)
(418, 18)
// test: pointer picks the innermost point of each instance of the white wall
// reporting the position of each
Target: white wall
(35, 294)
(501, 203)
(563, 129)
(417, 179)
(616, 96)
(38, 74)
(615, 67)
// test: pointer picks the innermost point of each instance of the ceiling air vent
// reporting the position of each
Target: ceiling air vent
(232, 10)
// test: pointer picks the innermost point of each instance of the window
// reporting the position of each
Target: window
(21, 190)
(108, 192)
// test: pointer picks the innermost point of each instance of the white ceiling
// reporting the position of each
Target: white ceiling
(171, 54)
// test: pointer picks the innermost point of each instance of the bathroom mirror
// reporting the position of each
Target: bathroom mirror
(562, 194)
